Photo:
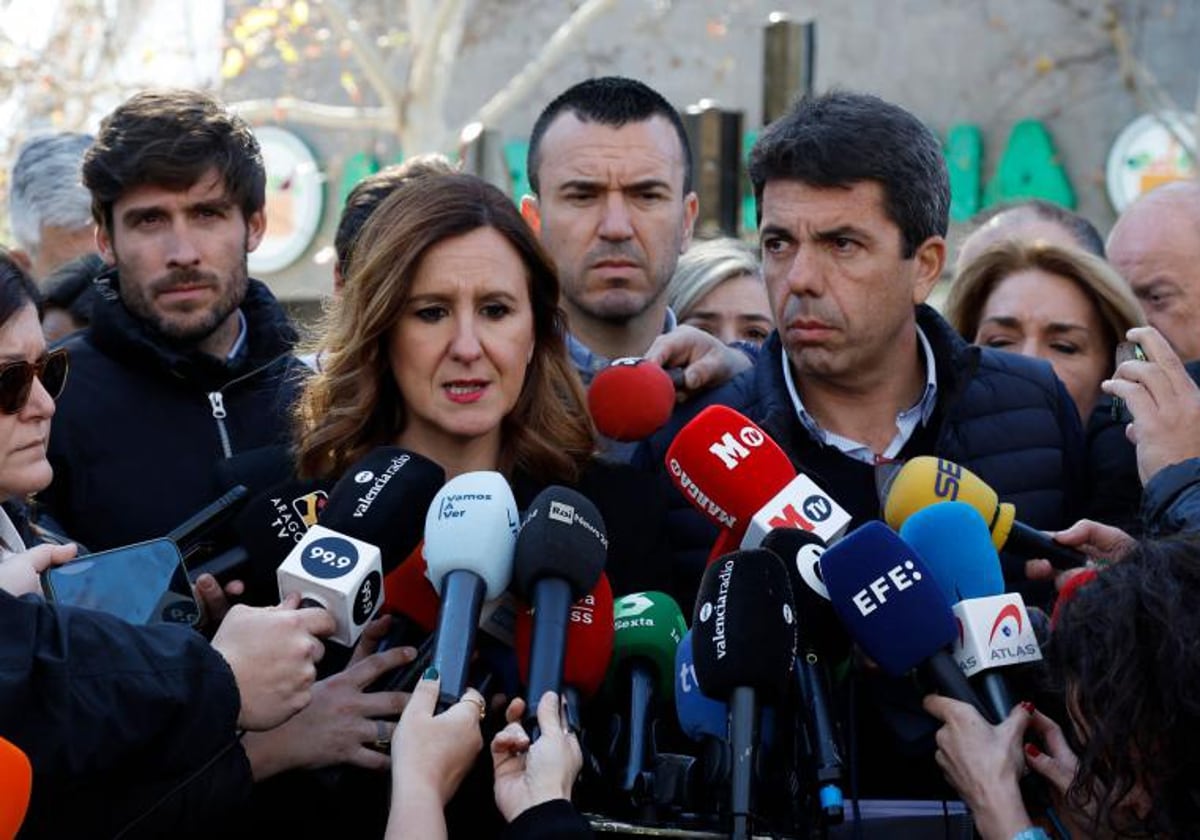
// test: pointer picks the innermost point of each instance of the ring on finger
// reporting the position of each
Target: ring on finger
(383, 738)
(478, 701)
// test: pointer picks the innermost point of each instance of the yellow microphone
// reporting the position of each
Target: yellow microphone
(926, 480)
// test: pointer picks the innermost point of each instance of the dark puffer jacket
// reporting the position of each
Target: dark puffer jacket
(126, 727)
(1003, 416)
(142, 424)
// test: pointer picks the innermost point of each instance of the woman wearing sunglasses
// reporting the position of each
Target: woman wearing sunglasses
(30, 380)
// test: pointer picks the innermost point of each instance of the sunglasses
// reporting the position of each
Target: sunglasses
(16, 379)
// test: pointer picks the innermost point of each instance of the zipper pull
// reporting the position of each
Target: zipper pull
(218, 404)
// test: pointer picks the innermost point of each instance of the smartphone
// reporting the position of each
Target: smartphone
(1127, 351)
(145, 583)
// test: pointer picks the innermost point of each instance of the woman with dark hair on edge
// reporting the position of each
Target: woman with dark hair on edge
(1125, 652)
(30, 380)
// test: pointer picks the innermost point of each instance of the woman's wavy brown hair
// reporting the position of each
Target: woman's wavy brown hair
(353, 404)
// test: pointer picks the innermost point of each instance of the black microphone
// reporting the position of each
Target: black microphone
(560, 554)
(267, 528)
(744, 645)
(817, 628)
(383, 500)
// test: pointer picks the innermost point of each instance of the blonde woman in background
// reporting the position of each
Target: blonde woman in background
(717, 287)
(1070, 308)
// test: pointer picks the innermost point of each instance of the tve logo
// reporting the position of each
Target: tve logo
(733, 450)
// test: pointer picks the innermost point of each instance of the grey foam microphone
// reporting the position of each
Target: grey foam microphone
(470, 535)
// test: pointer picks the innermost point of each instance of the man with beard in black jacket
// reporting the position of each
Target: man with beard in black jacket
(187, 360)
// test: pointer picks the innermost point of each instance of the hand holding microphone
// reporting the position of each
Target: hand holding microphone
(431, 755)
(984, 763)
(706, 360)
(342, 724)
(631, 399)
(273, 652)
(530, 773)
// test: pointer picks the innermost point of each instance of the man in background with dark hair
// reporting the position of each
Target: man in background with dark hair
(611, 173)
(610, 167)
(853, 199)
(187, 360)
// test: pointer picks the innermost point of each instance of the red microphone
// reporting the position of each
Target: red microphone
(727, 467)
(590, 634)
(16, 780)
(408, 592)
(631, 399)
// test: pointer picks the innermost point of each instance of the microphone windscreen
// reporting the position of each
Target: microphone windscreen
(16, 784)
(726, 466)
(562, 536)
(631, 399)
(699, 716)
(816, 622)
(886, 598)
(273, 521)
(744, 627)
(955, 544)
(382, 500)
(649, 627)
(926, 480)
(472, 526)
(589, 648)
(408, 592)
(257, 469)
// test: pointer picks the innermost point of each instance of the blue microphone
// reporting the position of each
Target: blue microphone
(893, 607)
(954, 541)
(699, 716)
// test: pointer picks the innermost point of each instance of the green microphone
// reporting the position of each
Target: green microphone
(649, 627)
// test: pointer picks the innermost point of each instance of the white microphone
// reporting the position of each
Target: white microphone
(337, 572)
(800, 504)
(470, 535)
(993, 632)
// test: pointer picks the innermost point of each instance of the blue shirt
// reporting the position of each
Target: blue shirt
(589, 364)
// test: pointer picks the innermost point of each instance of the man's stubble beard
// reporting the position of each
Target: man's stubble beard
(138, 302)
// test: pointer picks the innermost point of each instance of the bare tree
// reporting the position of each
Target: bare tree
(411, 103)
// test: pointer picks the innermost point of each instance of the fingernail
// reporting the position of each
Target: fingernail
(431, 673)
(1027, 706)
(1032, 751)
(410, 652)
